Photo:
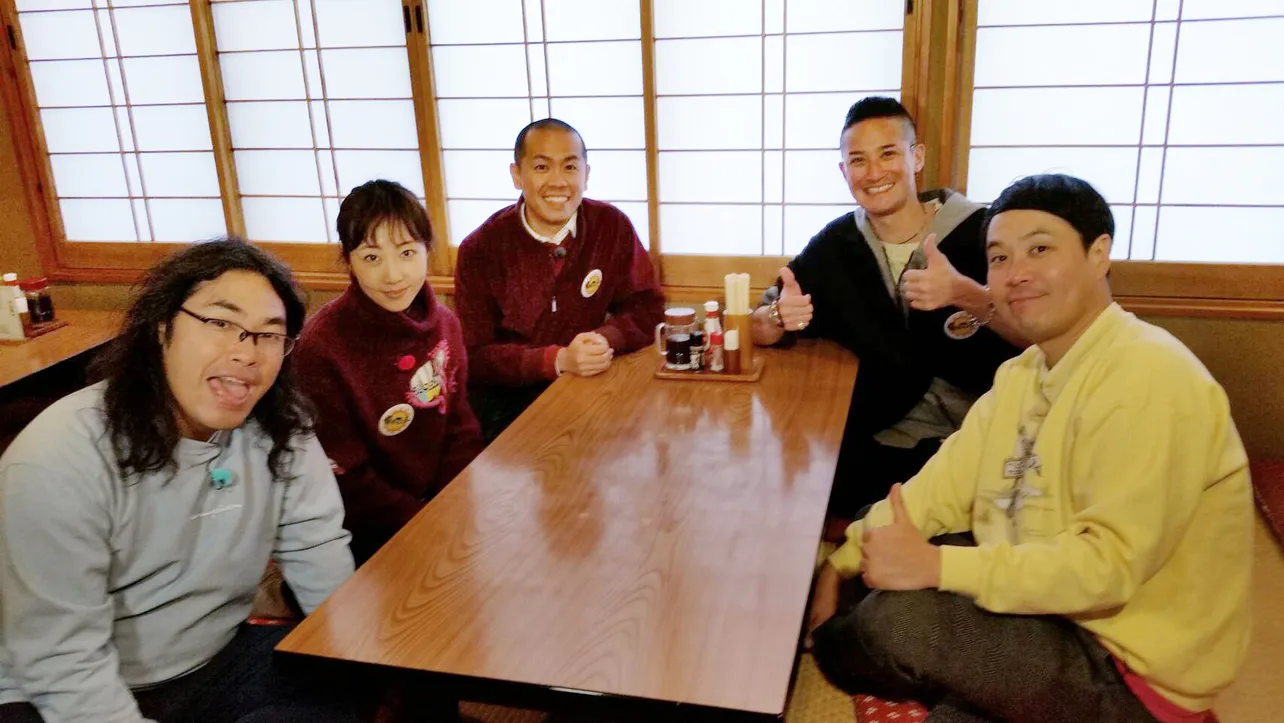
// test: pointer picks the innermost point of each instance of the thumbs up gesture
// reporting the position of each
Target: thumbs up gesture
(934, 287)
(895, 556)
(793, 305)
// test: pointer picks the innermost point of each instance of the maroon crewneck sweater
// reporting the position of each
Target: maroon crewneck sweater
(506, 283)
(392, 407)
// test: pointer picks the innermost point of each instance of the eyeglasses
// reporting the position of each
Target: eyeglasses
(234, 333)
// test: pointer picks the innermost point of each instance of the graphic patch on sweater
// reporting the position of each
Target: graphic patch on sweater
(1018, 468)
(430, 385)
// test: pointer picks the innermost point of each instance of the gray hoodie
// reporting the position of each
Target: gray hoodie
(108, 584)
(941, 411)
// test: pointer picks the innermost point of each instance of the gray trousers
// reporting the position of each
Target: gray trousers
(967, 664)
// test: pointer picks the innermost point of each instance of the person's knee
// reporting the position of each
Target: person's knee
(898, 627)
(833, 645)
(882, 645)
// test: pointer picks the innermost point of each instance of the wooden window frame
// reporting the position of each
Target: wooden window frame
(104, 262)
(938, 56)
(697, 278)
(1156, 288)
(317, 266)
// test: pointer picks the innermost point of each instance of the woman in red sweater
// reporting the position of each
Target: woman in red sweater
(385, 366)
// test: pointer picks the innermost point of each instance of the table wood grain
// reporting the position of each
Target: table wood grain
(626, 536)
(85, 330)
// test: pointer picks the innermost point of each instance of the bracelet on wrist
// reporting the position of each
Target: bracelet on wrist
(774, 314)
(989, 309)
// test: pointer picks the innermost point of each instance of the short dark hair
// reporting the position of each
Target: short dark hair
(519, 148)
(375, 203)
(140, 411)
(1071, 199)
(879, 106)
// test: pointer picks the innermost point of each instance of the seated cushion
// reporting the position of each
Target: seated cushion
(876, 710)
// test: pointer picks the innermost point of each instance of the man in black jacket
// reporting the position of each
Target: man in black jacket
(900, 282)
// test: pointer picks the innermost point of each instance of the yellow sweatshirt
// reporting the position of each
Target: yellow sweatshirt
(1112, 489)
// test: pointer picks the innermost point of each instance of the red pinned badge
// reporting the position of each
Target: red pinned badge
(406, 363)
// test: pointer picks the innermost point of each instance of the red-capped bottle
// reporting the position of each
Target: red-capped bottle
(715, 351)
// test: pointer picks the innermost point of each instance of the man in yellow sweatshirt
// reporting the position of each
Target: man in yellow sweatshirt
(1107, 492)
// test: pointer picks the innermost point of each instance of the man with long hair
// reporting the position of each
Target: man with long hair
(137, 515)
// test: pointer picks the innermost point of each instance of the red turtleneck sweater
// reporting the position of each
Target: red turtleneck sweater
(518, 306)
(392, 408)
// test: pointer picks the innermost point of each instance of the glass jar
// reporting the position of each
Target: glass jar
(673, 338)
(39, 301)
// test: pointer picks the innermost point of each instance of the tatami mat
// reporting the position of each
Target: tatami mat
(1257, 695)
(815, 700)
(478, 713)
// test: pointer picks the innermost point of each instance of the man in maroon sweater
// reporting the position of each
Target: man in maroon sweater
(554, 284)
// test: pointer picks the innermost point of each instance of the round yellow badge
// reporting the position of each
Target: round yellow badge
(592, 282)
(961, 325)
(396, 419)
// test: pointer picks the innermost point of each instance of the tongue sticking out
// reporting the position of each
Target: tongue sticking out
(229, 392)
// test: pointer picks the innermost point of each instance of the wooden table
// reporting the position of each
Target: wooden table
(630, 547)
(85, 331)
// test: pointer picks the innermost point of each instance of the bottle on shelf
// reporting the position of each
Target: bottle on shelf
(39, 301)
(12, 297)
